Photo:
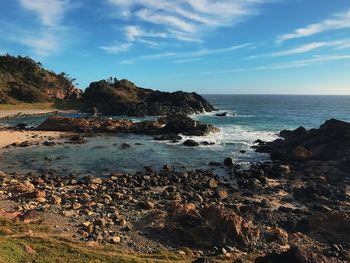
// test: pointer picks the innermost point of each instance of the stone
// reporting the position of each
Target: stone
(118, 195)
(100, 222)
(301, 153)
(212, 183)
(229, 162)
(115, 239)
(30, 216)
(222, 194)
(69, 213)
(191, 143)
(198, 198)
(96, 180)
(148, 205)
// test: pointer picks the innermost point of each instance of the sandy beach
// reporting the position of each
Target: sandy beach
(13, 112)
(8, 137)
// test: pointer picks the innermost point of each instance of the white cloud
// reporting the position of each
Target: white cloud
(117, 48)
(315, 60)
(338, 44)
(132, 33)
(166, 20)
(187, 20)
(43, 45)
(51, 37)
(186, 60)
(338, 21)
(50, 12)
(188, 55)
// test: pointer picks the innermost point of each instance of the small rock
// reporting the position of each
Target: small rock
(222, 194)
(228, 162)
(191, 143)
(212, 183)
(115, 239)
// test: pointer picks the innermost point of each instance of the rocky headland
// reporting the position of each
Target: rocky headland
(23, 80)
(122, 97)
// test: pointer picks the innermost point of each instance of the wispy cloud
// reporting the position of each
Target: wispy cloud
(43, 45)
(48, 39)
(50, 12)
(116, 48)
(315, 60)
(338, 44)
(188, 55)
(179, 61)
(183, 20)
(338, 21)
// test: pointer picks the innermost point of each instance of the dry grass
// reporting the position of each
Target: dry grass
(17, 245)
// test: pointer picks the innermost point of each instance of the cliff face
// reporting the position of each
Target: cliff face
(24, 80)
(125, 98)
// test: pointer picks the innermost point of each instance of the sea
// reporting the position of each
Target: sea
(249, 117)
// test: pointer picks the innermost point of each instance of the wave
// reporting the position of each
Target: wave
(233, 135)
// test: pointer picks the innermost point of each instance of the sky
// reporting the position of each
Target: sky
(208, 46)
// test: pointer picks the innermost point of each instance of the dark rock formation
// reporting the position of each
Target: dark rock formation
(330, 142)
(94, 125)
(296, 255)
(185, 125)
(191, 143)
(24, 80)
(222, 114)
(125, 98)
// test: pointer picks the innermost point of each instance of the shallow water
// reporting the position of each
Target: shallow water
(251, 117)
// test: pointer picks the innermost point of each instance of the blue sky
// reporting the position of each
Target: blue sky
(208, 46)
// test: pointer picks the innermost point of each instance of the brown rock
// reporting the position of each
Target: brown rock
(212, 183)
(148, 205)
(56, 200)
(30, 216)
(198, 198)
(222, 194)
(115, 239)
(302, 153)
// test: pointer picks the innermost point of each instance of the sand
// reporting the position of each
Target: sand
(8, 137)
(13, 112)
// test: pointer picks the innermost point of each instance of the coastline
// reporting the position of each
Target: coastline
(271, 210)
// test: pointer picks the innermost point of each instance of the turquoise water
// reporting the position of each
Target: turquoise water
(250, 117)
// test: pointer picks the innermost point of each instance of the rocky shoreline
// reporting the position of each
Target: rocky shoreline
(295, 208)
(167, 128)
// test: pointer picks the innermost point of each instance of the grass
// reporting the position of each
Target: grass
(29, 106)
(16, 245)
(58, 105)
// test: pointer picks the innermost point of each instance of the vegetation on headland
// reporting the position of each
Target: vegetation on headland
(20, 242)
(24, 80)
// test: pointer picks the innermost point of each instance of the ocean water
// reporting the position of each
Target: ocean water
(250, 117)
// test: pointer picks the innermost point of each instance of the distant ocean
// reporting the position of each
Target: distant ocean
(250, 117)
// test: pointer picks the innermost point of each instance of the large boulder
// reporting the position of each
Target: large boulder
(185, 125)
(296, 255)
(67, 124)
(330, 142)
(185, 225)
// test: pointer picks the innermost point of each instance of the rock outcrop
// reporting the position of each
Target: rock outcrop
(125, 98)
(24, 80)
(330, 142)
(183, 125)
